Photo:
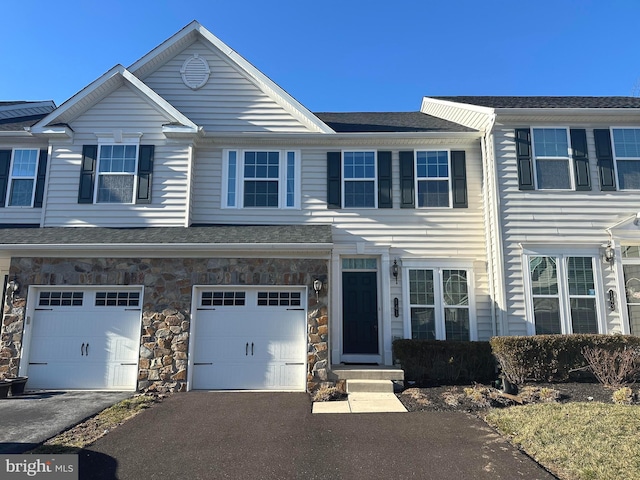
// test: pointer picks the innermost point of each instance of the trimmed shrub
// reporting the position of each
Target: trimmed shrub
(551, 358)
(429, 362)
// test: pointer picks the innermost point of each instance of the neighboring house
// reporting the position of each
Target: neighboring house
(201, 229)
(562, 178)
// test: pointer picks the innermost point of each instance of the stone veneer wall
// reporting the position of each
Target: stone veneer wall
(166, 307)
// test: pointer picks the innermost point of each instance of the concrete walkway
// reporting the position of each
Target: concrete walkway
(362, 403)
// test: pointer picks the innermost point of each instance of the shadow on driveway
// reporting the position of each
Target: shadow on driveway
(208, 435)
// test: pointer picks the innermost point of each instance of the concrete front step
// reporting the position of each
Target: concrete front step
(369, 386)
(366, 372)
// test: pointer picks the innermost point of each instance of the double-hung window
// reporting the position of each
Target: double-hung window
(432, 177)
(440, 304)
(117, 166)
(626, 144)
(563, 294)
(552, 159)
(359, 177)
(22, 180)
(261, 179)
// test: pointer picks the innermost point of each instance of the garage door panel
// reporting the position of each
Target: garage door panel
(86, 345)
(250, 345)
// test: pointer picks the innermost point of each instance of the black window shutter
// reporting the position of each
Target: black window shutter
(459, 179)
(145, 173)
(87, 173)
(334, 180)
(604, 154)
(580, 158)
(5, 164)
(384, 180)
(407, 180)
(525, 163)
(42, 173)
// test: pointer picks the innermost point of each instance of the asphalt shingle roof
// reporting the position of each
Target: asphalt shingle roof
(361, 122)
(209, 234)
(18, 124)
(546, 102)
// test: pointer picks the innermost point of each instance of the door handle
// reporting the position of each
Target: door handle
(82, 350)
(246, 349)
(252, 349)
(87, 349)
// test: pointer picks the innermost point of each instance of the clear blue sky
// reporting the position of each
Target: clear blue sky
(339, 55)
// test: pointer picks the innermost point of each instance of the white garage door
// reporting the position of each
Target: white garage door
(250, 339)
(85, 339)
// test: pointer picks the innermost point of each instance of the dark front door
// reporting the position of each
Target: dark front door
(360, 313)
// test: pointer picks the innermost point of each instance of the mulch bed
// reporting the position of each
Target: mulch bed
(453, 398)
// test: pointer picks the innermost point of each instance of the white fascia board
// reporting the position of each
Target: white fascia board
(449, 103)
(560, 112)
(125, 76)
(17, 133)
(259, 79)
(337, 139)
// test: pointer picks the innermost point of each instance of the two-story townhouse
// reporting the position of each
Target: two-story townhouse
(201, 229)
(562, 178)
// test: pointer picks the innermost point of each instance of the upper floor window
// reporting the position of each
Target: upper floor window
(117, 165)
(22, 176)
(116, 173)
(432, 175)
(552, 159)
(359, 177)
(261, 179)
(626, 145)
(22, 181)
(563, 294)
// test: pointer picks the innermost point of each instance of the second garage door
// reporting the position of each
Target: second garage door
(251, 339)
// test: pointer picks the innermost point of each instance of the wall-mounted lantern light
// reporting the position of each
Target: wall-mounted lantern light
(317, 286)
(609, 254)
(395, 269)
(13, 287)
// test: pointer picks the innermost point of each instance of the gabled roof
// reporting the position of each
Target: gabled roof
(357, 122)
(193, 32)
(102, 87)
(545, 101)
(15, 116)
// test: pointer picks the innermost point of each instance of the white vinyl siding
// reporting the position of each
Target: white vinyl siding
(228, 102)
(123, 110)
(407, 233)
(571, 219)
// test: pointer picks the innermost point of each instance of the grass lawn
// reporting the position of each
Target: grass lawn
(576, 440)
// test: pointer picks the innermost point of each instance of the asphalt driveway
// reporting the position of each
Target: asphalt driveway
(209, 435)
(28, 420)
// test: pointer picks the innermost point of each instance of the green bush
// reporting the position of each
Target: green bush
(551, 358)
(445, 362)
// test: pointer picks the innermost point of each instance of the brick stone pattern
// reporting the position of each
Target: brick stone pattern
(167, 301)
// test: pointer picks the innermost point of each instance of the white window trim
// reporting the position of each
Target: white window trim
(12, 178)
(375, 178)
(569, 159)
(417, 179)
(438, 267)
(615, 158)
(282, 179)
(111, 139)
(561, 255)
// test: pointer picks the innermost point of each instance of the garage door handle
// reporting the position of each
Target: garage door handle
(301, 363)
(87, 350)
(246, 349)
(203, 363)
(251, 348)
(128, 364)
(82, 350)
(297, 309)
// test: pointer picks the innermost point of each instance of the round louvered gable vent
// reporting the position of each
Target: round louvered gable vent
(195, 72)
